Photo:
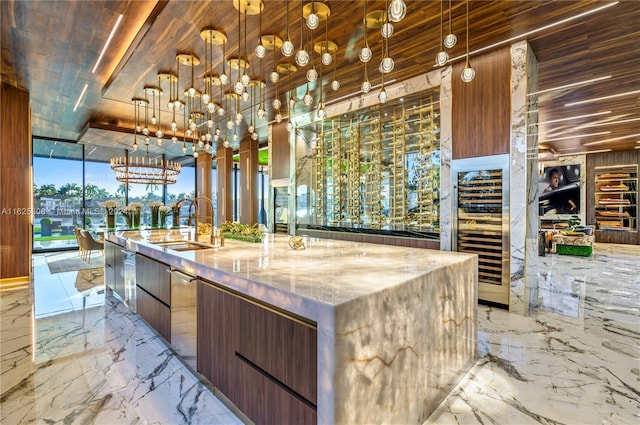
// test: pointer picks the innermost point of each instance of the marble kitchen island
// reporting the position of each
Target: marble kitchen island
(392, 329)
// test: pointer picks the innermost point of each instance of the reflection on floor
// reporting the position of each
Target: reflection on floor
(72, 354)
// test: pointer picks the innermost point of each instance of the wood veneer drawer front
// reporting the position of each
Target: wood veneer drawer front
(266, 402)
(155, 313)
(152, 276)
(217, 330)
(281, 346)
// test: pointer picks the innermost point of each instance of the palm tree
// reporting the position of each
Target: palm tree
(91, 191)
(71, 190)
(47, 190)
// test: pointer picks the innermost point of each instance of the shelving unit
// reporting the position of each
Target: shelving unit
(378, 168)
(616, 198)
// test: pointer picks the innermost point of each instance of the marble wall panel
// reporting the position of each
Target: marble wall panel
(523, 200)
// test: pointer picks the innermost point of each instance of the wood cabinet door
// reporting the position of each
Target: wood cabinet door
(263, 361)
(155, 313)
(284, 348)
(217, 332)
(266, 401)
(152, 276)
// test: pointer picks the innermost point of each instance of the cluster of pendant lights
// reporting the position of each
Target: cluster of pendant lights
(450, 40)
(203, 112)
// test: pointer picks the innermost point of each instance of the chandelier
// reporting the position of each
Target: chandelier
(145, 170)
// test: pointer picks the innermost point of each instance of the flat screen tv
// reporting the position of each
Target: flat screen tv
(559, 190)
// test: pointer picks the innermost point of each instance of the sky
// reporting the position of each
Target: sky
(61, 171)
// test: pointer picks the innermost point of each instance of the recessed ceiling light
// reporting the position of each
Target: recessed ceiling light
(84, 90)
(573, 118)
(577, 136)
(597, 99)
(601, 124)
(106, 44)
(583, 153)
(566, 86)
(612, 139)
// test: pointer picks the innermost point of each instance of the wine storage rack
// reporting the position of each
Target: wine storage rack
(378, 168)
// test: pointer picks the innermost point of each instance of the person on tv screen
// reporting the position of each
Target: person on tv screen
(554, 180)
(563, 202)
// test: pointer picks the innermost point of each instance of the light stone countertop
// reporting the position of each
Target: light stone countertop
(327, 273)
(393, 323)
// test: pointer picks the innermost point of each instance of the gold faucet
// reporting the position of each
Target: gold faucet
(194, 202)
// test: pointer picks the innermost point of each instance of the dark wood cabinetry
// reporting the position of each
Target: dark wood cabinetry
(152, 276)
(261, 359)
(155, 313)
(153, 294)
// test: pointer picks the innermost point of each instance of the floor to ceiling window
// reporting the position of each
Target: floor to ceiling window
(72, 180)
(184, 188)
(58, 193)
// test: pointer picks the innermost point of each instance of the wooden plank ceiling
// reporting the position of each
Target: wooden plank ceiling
(51, 47)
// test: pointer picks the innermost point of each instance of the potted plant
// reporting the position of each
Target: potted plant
(242, 232)
(155, 210)
(163, 211)
(110, 207)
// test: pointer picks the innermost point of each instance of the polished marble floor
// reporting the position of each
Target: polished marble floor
(72, 354)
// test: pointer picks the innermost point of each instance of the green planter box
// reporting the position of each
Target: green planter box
(246, 238)
(579, 250)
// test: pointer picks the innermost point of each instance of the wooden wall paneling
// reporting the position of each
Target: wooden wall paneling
(481, 109)
(249, 189)
(606, 160)
(16, 191)
(280, 152)
(224, 176)
(204, 163)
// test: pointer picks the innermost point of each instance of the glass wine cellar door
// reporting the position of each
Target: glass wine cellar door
(481, 221)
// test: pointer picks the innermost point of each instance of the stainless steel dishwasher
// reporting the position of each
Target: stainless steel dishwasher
(128, 290)
(183, 316)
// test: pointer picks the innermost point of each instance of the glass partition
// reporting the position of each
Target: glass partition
(375, 169)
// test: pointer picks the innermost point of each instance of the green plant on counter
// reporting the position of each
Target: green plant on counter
(244, 232)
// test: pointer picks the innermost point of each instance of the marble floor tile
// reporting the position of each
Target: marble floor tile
(72, 354)
(575, 361)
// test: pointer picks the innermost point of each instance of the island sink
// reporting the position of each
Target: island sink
(182, 245)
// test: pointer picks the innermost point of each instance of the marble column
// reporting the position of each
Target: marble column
(224, 174)
(523, 178)
(203, 187)
(249, 199)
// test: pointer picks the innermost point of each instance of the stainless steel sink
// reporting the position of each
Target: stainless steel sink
(182, 245)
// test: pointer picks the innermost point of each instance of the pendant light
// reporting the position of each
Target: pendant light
(302, 57)
(450, 40)
(365, 52)
(442, 57)
(386, 64)
(287, 45)
(312, 19)
(468, 73)
(397, 10)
